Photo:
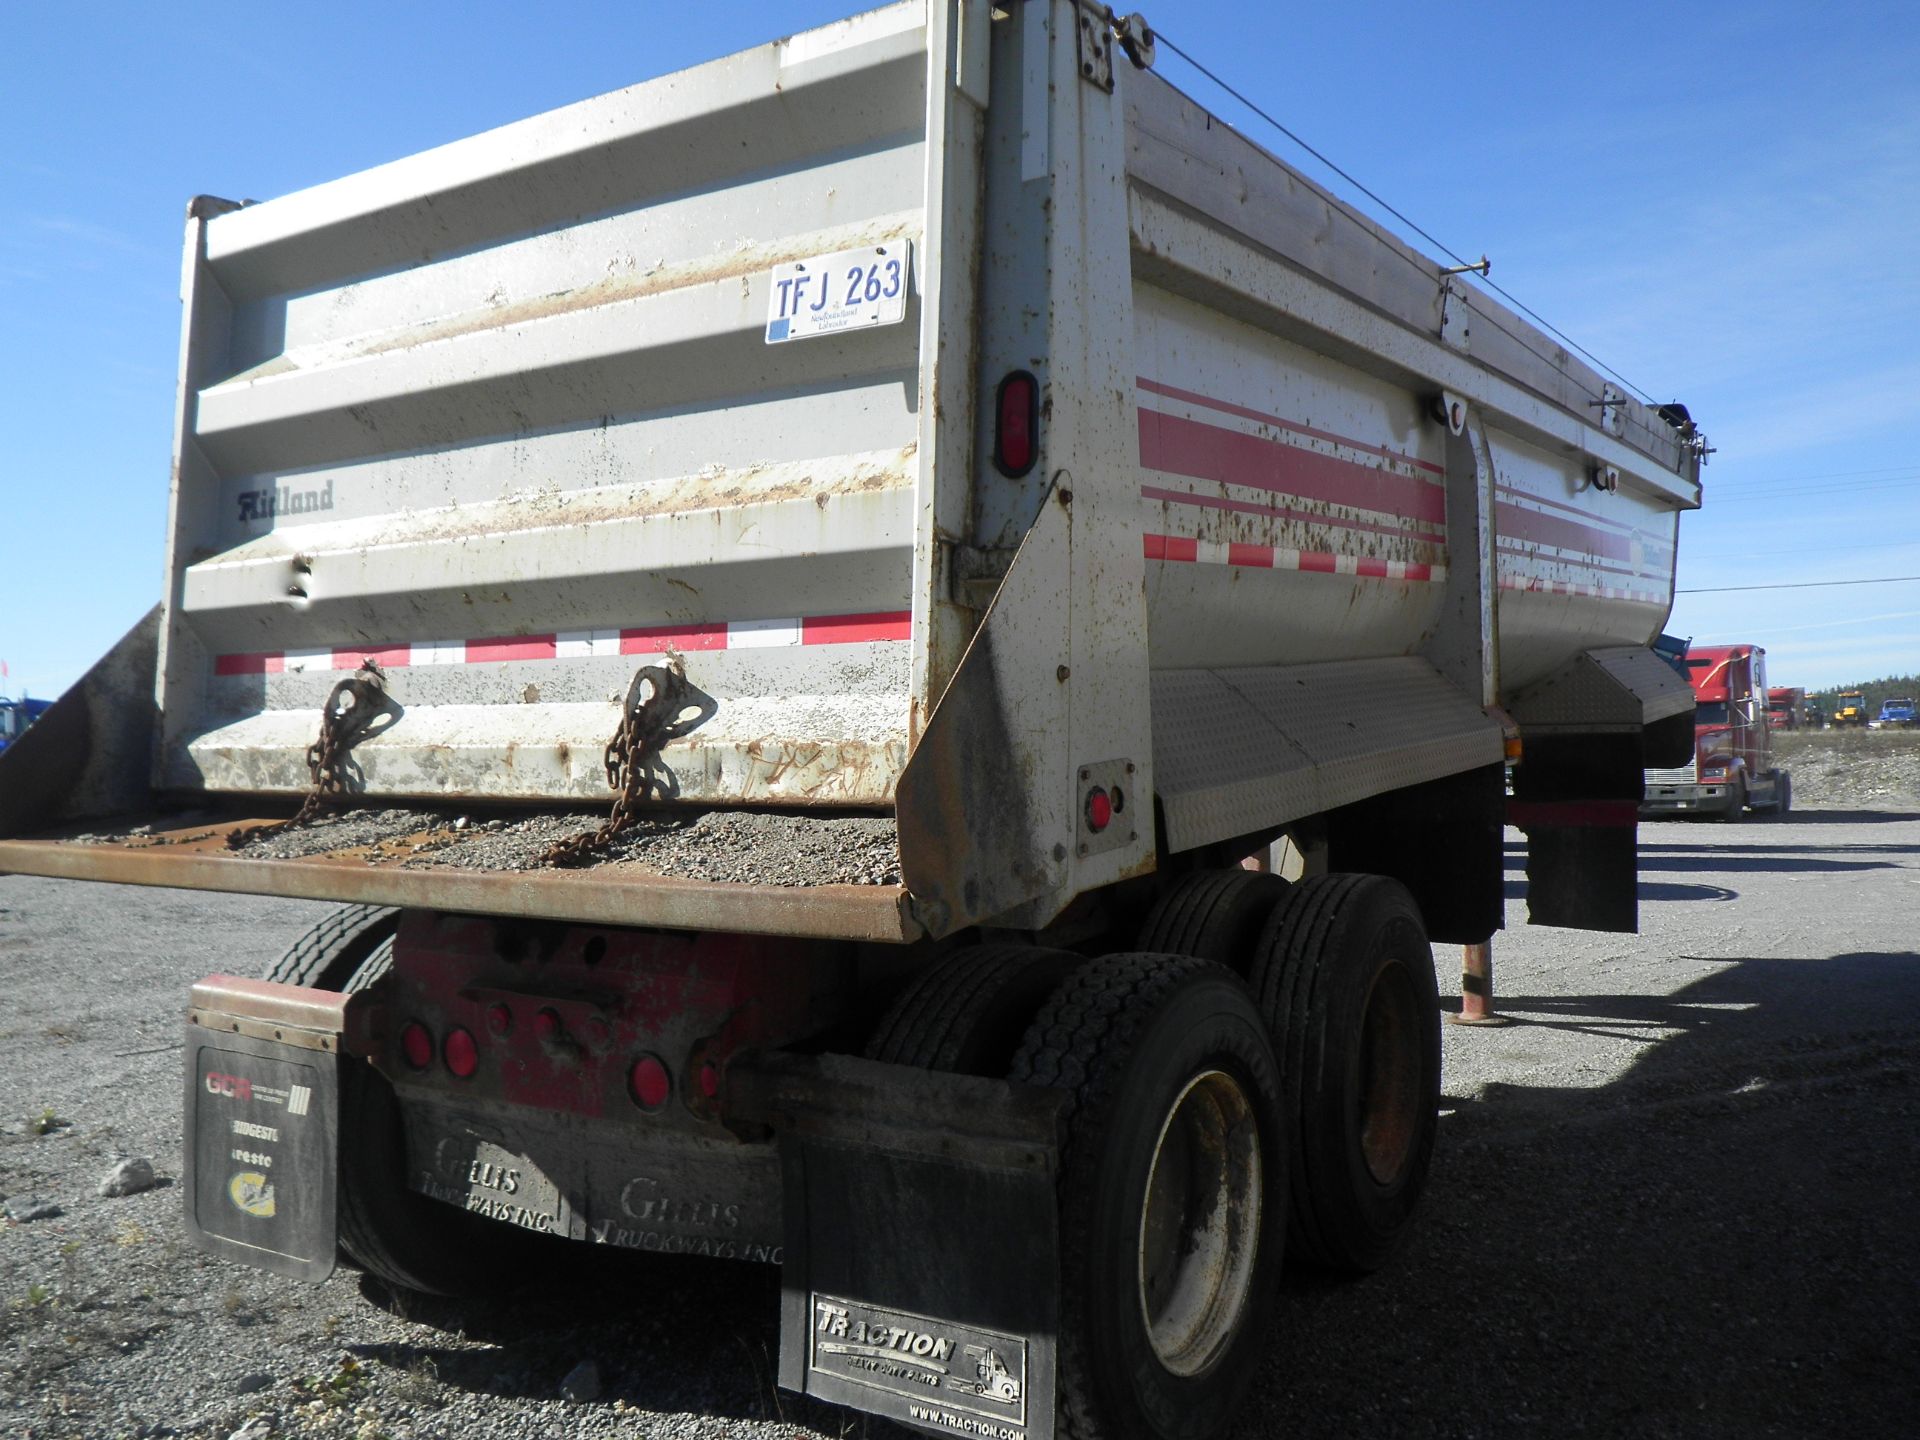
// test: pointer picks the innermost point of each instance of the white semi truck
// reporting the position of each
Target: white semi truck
(932, 437)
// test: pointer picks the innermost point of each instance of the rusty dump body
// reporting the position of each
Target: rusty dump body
(950, 500)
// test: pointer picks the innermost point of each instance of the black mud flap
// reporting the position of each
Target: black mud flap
(262, 1128)
(921, 1277)
(1577, 798)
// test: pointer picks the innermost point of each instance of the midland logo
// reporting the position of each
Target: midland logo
(284, 500)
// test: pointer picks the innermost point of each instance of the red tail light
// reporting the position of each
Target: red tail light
(1016, 428)
(416, 1043)
(462, 1055)
(649, 1082)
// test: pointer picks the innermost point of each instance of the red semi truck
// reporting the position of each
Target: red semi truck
(1787, 708)
(1732, 768)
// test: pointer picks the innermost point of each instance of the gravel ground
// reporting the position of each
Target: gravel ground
(1852, 767)
(1672, 1198)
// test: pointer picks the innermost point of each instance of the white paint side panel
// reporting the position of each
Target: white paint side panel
(1574, 564)
(1291, 507)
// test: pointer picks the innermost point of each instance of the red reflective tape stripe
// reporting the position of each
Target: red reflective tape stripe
(1261, 555)
(1318, 563)
(1227, 407)
(652, 639)
(1178, 547)
(387, 657)
(1369, 565)
(1179, 446)
(1581, 814)
(875, 625)
(1419, 572)
(508, 647)
(852, 629)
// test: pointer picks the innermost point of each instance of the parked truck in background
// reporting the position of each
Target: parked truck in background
(936, 437)
(1897, 713)
(1850, 710)
(17, 715)
(1786, 708)
(1732, 769)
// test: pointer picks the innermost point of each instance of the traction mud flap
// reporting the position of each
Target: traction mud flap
(262, 1124)
(921, 1278)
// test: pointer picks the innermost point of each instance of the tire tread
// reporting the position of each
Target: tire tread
(1216, 915)
(327, 956)
(1080, 1043)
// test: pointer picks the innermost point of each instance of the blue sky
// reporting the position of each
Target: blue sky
(1721, 200)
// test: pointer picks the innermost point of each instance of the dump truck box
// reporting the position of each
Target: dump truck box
(511, 418)
(955, 499)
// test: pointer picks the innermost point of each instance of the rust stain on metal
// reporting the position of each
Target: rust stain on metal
(813, 770)
(613, 895)
(639, 284)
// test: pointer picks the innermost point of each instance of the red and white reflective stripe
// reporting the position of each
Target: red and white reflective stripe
(1275, 557)
(1591, 592)
(586, 644)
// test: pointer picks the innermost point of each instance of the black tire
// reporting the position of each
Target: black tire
(1345, 980)
(1173, 1164)
(383, 1227)
(1214, 914)
(332, 955)
(967, 1014)
(397, 1234)
(1737, 810)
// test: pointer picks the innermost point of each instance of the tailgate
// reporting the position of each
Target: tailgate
(504, 418)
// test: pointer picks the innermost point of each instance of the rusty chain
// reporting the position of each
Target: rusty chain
(645, 725)
(366, 692)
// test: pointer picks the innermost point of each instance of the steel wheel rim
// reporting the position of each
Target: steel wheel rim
(1200, 1224)
(1389, 1080)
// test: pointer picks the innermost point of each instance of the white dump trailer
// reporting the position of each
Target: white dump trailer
(955, 500)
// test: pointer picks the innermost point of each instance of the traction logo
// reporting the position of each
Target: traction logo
(951, 1376)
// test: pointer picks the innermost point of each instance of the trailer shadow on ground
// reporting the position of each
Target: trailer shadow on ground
(1793, 818)
(1716, 1240)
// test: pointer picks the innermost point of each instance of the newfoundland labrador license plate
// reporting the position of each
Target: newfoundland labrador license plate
(849, 290)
